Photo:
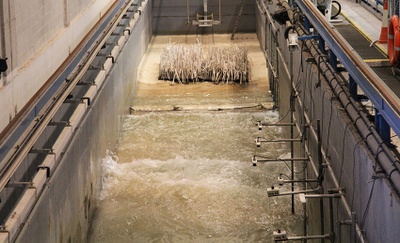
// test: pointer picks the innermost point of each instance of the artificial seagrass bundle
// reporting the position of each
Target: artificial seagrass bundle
(195, 63)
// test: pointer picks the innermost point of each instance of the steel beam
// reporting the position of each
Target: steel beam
(384, 100)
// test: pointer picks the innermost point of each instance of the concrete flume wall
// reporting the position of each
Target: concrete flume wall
(372, 201)
(67, 203)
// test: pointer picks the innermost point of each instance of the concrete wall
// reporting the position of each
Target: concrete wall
(36, 37)
(66, 205)
(170, 16)
(374, 203)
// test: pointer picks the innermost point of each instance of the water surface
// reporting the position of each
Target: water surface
(188, 177)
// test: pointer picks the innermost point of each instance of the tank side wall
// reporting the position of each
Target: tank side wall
(69, 199)
(376, 207)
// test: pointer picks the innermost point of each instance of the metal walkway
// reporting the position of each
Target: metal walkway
(372, 55)
(359, 42)
(360, 33)
(364, 64)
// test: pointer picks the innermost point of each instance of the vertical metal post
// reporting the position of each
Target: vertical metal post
(2, 31)
(187, 10)
(332, 224)
(353, 88)
(353, 227)
(320, 178)
(307, 23)
(333, 60)
(321, 44)
(219, 11)
(383, 127)
(305, 176)
(292, 105)
(275, 35)
(339, 232)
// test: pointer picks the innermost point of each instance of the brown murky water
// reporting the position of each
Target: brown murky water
(187, 176)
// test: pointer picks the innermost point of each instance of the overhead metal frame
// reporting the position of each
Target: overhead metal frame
(383, 99)
(206, 19)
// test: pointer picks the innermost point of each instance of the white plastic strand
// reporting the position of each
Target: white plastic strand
(193, 63)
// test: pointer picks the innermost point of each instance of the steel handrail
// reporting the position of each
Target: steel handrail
(379, 93)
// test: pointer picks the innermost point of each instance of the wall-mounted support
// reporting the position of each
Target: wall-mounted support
(255, 159)
(333, 61)
(320, 60)
(73, 101)
(382, 127)
(274, 192)
(352, 223)
(127, 30)
(321, 44)
(337, 193)
(112, 58)
(279, 237)
(282, 181)
(261, 125)
(40, 151)
(19, 183)
(59, 123)
(353, 87)
(206, 19)
(88, 99)
(260, 140)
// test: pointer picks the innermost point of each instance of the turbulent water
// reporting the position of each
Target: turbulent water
(188, 177)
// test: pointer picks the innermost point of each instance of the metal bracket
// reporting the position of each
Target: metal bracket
(41, 151)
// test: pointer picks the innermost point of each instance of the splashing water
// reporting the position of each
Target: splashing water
(188, 177)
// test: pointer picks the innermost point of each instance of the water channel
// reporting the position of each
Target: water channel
(187, 176)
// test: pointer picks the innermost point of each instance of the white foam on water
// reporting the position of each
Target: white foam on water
(187, 177)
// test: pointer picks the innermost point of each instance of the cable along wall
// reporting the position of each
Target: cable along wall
(344, 150)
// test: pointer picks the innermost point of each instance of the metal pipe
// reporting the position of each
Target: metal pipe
(339, 232)
(320, 178)
(353, 229)
(276, 124)
(281, 160)
(332, 224)
(292, 109)
(219, 11)
(305, 176)
(298, 192)
(260, 139)
(187, 11)
(2, 31)
(322, 196)
(301, 181)
(310, 237)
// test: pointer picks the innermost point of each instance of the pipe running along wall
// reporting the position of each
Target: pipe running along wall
(381, 166)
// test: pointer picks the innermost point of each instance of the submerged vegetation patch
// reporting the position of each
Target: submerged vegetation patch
(184, 63)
